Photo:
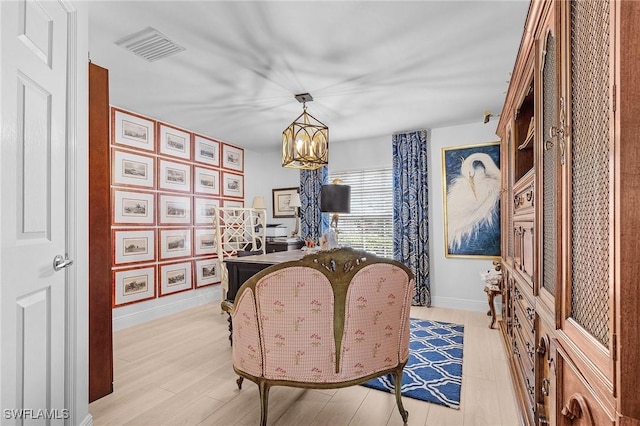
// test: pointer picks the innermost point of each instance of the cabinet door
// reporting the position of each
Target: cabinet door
(588, 80)
(550, 156)
(507, 198)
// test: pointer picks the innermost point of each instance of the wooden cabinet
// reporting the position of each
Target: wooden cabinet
(570, 153)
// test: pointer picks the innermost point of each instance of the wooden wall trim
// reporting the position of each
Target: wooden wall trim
(627, 199)
(100, 324)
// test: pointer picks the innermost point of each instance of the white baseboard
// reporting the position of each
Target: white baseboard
(464, 304)
(128, 316)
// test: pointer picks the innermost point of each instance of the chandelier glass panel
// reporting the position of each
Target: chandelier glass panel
(305, 143)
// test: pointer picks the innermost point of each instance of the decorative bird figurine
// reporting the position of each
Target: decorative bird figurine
(472, 199)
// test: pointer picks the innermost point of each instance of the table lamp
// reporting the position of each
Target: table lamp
(296, 204)
(335, 199)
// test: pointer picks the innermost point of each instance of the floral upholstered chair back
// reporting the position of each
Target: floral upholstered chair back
(332, 317)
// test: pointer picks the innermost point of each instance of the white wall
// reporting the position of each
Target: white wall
(262, 173)
(455, 282)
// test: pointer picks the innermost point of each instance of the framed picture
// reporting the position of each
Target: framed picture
(175, 243)
(174, 209)
(232, 185)
(133, 285)
(471, 190)
(175, 277)
(133, 207)
(207, 272)
(206, 181)
(134, 246)
(204, 241)
(233, 203)
(204, 210)
(132, 130)
(174, 142)
(232, 157)
(281, 201)
(206, 151)
(174, 176)
(131, 169)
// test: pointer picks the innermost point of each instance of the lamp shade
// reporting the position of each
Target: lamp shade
(258, 202)
(295, 200)
(335, 198)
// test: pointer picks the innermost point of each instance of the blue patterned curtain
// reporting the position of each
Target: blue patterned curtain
(312, 222)
(411, 209)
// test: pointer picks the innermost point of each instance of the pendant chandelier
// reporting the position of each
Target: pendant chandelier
(305, 143)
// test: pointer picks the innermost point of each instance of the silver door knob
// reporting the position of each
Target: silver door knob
(60, 262)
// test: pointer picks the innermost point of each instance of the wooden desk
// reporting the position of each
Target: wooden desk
(241, 269)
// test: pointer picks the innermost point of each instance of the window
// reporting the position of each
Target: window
(369, 226)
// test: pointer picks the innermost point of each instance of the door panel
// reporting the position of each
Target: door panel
(34, 75)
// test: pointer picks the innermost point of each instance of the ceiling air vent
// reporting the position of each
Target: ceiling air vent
(150, 44)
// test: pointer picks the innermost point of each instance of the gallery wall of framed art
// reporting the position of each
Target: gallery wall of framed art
(165, 183)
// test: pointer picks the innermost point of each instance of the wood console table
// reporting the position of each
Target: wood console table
(492, 291)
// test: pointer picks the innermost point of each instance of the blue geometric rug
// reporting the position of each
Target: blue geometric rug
(434, 370)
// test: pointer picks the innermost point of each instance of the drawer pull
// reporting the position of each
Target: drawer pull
(530, 313)
(577, 408)
(530, 351)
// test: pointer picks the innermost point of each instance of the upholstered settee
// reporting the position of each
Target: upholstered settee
(333, 319)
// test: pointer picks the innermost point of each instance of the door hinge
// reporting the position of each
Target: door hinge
(615, 97)
(614, 347)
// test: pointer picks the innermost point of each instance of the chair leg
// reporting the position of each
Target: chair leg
(239, 382)
(264, 402)
(398, 387)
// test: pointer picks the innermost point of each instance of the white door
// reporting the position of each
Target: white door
(33, 296)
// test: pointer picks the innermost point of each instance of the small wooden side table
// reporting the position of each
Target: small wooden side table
(492, 290)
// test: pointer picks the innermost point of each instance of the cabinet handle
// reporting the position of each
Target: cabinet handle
(542, 419)
(577, 408)
(558, 132)
(546, 384)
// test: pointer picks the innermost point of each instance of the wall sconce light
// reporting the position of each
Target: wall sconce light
(305, 143)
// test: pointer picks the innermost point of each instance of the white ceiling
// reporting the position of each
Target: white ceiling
(374, 68)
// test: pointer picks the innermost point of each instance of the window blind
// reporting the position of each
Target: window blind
(369, 226)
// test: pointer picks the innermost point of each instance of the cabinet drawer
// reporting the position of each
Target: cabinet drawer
(521, 297)
(578, 405)
(524, 244)
(523, 200)
(525, 371)
(526, 333)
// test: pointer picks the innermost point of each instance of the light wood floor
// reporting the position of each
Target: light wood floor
(177, 371)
